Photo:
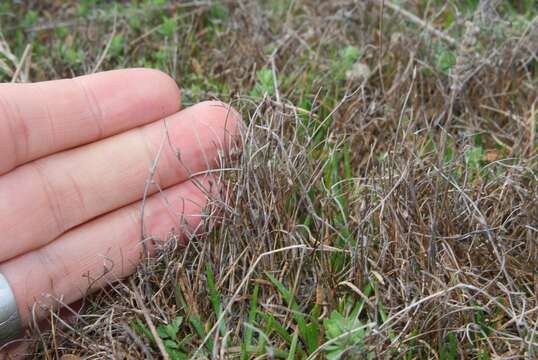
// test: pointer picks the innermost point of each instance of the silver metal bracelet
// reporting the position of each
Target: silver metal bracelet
(10, 320)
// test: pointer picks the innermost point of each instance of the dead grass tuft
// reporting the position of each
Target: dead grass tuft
(411, 191)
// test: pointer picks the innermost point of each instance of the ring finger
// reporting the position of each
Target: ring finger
(103, 250)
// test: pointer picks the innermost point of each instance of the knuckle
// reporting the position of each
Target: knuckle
(13, 135)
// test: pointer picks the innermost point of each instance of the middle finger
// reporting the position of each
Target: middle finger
(43, 199)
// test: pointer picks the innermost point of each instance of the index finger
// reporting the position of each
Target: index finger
(43, 118)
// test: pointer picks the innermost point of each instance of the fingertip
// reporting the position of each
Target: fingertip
(165, 86)
(132, 97)
(222, 116)
(202, 135)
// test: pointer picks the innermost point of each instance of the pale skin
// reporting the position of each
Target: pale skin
(75, 156)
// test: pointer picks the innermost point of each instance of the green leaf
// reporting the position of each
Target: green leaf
(293, 346)
(141, 329)
(286, 294)
(116, 45)
(449, 350)
(334, 325)
(170, 331)
(274, 324)
(30, 18)
(168, 27)
(445, 60)
(134, 22)
(309, 331)
(199, 327)
(71, 55)
(214, 296)
(347, 333)
(349, 55)
(161, 331)
(264, 83)
(335, 354)
(253, 310)
(473, 157)
(344, 61)
(219, 11)
(171, 344)
(176, 354)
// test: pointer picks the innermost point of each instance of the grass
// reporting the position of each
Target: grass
(384, 205)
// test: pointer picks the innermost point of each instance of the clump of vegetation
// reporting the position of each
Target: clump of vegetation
(389, 215)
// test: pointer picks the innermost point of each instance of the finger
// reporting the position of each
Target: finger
(17, 349)
(23, 348)
(43, 118)
(103, 250)
(43, 199)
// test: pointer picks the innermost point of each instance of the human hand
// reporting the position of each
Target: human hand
(74, 157)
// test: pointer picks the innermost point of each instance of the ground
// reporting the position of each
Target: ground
(385, 204)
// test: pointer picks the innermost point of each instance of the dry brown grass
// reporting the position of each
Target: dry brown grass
(435, 211)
